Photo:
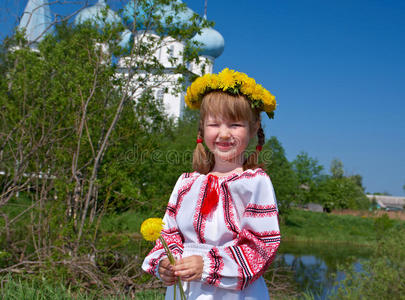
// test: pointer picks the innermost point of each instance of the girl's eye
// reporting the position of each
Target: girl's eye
(212, 124)
(237, 125)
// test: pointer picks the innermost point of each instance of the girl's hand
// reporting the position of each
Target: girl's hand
(166, 272)
(189, 268)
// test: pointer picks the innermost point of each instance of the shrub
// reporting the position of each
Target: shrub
(383, 276)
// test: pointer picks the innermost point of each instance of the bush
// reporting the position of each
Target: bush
(383, 276)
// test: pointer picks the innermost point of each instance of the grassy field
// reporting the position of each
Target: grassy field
(14, 289)
(317, 227)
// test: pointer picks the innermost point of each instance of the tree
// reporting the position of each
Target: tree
(339, 193)
(358, 180)
(67, 123)
(336, 168)
(282, 175)
(308, 172)
(306, 168)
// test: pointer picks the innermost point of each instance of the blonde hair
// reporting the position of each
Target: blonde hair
(219, 104)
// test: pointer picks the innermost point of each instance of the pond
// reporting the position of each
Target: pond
(315, 265)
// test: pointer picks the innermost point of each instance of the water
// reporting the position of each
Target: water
(316, 265)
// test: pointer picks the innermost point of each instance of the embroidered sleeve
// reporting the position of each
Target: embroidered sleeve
(255, 244)
(170, 234)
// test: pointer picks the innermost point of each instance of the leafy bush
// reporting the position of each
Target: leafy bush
(383, 276)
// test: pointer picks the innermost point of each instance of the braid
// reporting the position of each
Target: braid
(260, 136)
(252, 162)
(203, 162)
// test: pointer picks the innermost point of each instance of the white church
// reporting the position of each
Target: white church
(37, 21)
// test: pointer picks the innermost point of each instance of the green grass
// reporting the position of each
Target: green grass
(16, 289)
(317, 227)
(129, 221)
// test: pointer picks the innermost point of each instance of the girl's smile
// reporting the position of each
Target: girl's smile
(226, 139)
(224, 145)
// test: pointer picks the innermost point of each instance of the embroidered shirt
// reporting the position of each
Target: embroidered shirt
(237, 240)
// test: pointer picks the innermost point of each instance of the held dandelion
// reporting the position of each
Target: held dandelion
(150, 230)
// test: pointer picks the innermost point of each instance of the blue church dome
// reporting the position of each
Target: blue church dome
(178, 18)
(212, 42)
(36, 20)
(96, 15)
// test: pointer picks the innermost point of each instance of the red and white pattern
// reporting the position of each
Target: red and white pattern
(237, 240)
(199, 220)
(229, 210)
(172, 208)
(216, 267)
(260, 211)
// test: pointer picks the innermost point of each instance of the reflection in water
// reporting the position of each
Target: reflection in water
(315, 265)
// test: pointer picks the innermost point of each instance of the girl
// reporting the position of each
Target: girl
(221, 220)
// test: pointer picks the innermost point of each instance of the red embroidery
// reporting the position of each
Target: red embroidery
(253, 254)
(216, 266)
(174, 240)
(227, 202)
(153, 264)
(257, 172)
(172, 209)
(199, 220)
(230, 220)
(240, 272)
(268, 236)
(258, 259)
(246, 273)
(260, 211)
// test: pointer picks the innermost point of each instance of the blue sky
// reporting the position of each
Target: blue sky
(337, 69)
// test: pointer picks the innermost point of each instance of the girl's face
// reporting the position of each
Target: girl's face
(226, 139)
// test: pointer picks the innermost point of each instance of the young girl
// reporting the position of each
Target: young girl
(221, 221)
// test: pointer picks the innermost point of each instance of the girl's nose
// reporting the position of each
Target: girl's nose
(224, 132)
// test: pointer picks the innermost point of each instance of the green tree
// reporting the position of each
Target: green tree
(336, 168)
(282, 175)
(339, 193)
(308, 172)
(306, 168)
(358, 180)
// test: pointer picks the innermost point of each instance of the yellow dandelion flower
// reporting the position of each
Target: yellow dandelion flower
(248, 86)
(213, 82)
(267, 97)
(151, 228)
(258, 92)
(240, 77)
(269, 107)
(227, 79)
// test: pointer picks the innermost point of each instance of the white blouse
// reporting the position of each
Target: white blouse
(237, 241)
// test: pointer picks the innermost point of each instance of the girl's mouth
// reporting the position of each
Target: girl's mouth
(224, 145)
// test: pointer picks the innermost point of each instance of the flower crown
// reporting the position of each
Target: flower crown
(234, 83)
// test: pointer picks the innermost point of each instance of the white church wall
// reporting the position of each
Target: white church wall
(173, 103)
